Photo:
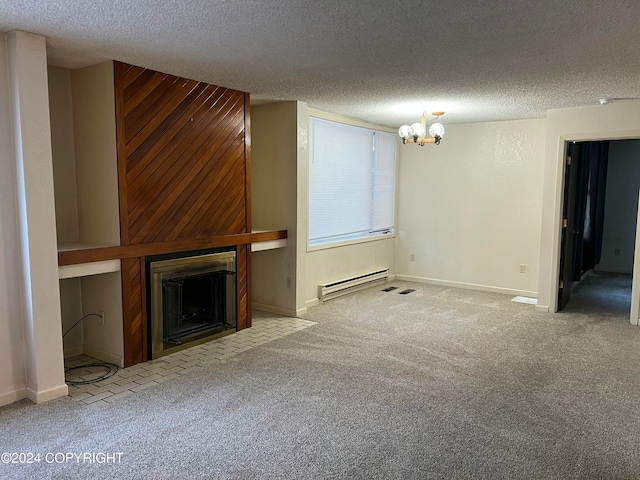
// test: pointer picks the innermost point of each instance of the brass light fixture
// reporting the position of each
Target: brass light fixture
(417, 132)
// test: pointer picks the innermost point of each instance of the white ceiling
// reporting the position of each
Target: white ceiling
(382, 61)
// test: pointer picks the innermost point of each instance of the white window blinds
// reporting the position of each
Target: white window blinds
(351, 182)
(384, 181)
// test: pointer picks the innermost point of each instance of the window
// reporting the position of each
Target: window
(351, 182)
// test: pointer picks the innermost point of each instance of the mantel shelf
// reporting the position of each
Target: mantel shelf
(70, 254)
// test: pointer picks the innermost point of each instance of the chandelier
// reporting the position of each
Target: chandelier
(417, 132)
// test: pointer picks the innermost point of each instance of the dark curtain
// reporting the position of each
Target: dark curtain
(592, 177)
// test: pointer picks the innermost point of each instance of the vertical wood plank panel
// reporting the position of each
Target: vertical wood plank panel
(241, 277)
(133, 300)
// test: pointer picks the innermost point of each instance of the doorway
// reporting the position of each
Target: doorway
(599, 212)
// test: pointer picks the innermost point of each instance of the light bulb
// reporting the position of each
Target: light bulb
(405, 131)
(417, 130)
(436, 130)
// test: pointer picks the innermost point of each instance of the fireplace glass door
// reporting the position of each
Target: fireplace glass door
(193, 299)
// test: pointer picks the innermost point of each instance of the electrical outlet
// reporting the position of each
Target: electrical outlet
(523, 268)
(288, 282)
(412, 257)
(617, 251)
(101, 313)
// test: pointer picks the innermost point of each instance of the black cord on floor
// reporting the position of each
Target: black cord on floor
(111, 370)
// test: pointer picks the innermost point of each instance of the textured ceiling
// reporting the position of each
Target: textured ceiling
(379, 60)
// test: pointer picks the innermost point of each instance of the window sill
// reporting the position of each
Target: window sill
(356, 241)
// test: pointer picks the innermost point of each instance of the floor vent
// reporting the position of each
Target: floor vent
(389, 289)
(407, 291)
(348, 285)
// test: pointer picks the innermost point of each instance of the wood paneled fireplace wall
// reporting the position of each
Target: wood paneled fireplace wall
(183, 174)
(183, 154)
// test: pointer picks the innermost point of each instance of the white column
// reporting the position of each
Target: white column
(12, 371)
(27, 57)
(302, 205)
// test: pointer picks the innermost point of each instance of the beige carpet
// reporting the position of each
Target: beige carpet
(440, 383)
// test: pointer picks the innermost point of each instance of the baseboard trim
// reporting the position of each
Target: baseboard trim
(47, 395)
(14, 396)
(287, 312)
(542, 308)
(312, 303)
(468, 286)
(73, 351)
(102, 355)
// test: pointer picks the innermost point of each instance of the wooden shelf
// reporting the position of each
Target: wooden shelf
(88, 254)
(85, 269)
(267, 244)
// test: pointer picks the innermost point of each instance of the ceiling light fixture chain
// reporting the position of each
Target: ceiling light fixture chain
(417, 132)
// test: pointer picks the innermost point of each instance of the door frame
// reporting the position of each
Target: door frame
(554, 283)
(567, 232)
(635, 283)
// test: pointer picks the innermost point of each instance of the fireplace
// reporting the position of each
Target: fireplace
(192, 299)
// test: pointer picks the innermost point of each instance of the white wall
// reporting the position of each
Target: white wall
(619, 120)
(621, 206)
(12, 354)
(469, 208)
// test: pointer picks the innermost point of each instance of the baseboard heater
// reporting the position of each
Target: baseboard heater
(348, 285)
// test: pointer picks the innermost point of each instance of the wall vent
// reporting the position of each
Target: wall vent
(351, 284)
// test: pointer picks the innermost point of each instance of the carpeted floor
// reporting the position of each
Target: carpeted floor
(440, 383)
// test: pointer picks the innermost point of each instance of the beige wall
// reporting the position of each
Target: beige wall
(83, 144)
(12, 352)
(66, 198)
(103, 341)
(95, 151)
(469, 208)
(62, 150)
(331, 264)
(274, 160)
(279, 177)
(71, 312)
(86, 193)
